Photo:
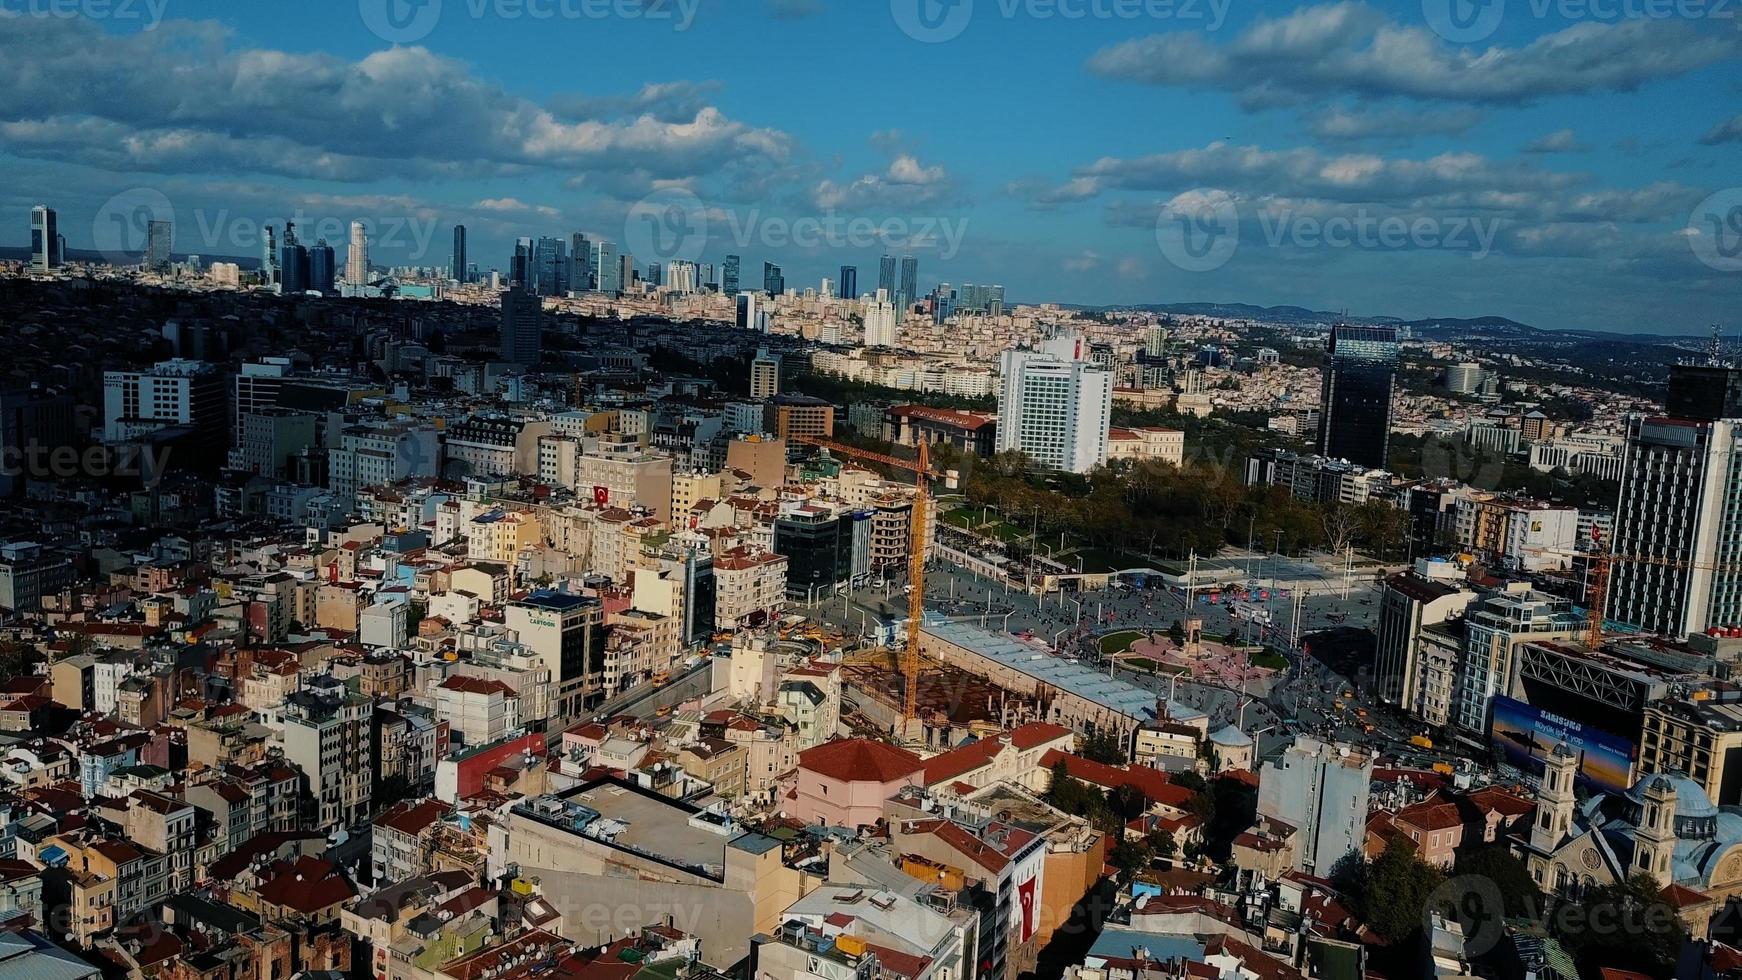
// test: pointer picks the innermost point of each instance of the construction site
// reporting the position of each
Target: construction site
(951, 704)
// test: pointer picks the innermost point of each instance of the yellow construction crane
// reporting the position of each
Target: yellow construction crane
(915, 552)
(1603, 562)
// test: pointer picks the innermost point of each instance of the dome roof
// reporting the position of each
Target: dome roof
(1691, 802)
(1231, 736)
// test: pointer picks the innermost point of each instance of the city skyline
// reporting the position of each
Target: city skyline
(1564, 189)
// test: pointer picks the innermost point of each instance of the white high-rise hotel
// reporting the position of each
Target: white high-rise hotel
(1056, 406)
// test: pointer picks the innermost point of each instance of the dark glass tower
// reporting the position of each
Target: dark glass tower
(849, 288)
(458, 271)
(322, 267)
(1360, 384)
(729, 276)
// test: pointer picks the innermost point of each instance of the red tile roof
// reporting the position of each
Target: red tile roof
(307, 885)
(860, 760)
(413, 818)
(1152, 783)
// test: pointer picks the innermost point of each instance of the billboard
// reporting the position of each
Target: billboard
(1527, 734)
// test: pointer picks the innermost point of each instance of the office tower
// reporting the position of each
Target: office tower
(849, 285)
(626, 273)
(269, 257)
(159, 239)
(322, 268)
(607, 271)
(522, 321)
(45, 247)
(828, 290)
(773, 281)
(881, 321)
(1360, 384)
(886, 274)
(729, 275)
(357, 258)
(550, 267)
(943, 303)
(1321, 789)
(581, 265)
(459, 269)
(1055, 407)
(520, 269)
(1678, 525)
(750, 315)
(909, 291)
(765, 375)
(293, 262)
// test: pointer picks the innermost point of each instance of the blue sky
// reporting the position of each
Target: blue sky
(1528, 158)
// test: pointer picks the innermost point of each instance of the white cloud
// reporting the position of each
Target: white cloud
(1350, 48)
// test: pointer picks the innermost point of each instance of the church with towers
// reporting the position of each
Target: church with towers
(1664, 827)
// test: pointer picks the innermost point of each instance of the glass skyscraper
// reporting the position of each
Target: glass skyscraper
(457, 267)
(1359, 388)
(886, 274)
(159, 236)
(730, 275)
(909, 291)
(849, 286)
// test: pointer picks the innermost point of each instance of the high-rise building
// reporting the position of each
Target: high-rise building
(459, 269)
(520, 268)
(849, 282)
(159, 239)
(773, 280)
(1678, 525)
(522, 323)
(750, 315)
(269, 275)
(293, 262)
(550, 267)
(357, 257)
(322, 268)
(765, 375)
(45, 247)
(730, 272)
(581, 264)
(607, 270)
(1359, 388)
(908, 292)
(881, 321)
(886, 274)
(626, 273)
(1056, 407)
(680, 276)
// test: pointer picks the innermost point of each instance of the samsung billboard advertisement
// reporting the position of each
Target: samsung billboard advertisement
(1527, 734)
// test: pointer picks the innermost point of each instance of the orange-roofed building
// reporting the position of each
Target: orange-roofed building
(845, 783)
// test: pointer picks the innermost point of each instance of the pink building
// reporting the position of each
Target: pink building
(844, 783)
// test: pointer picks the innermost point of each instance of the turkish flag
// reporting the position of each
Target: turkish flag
(602, 496)
(1030, 914)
